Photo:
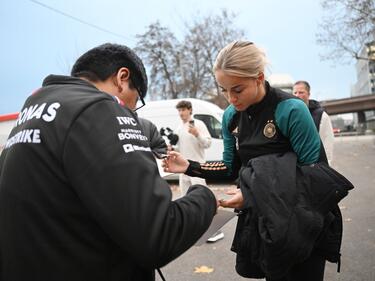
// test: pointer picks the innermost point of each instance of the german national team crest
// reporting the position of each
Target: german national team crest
(269, 130)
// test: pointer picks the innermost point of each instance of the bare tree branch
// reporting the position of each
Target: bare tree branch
(159, 48)
(345, 29)
(185, 69)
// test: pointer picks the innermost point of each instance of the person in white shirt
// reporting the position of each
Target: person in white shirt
(322, 121)
(193, 139)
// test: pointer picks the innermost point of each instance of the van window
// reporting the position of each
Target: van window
(212, 124)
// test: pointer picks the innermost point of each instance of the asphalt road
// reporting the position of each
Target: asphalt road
(355, 159)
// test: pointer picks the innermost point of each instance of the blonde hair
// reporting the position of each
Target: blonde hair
(241, 59)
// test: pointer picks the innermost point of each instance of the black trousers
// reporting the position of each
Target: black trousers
(311, 269)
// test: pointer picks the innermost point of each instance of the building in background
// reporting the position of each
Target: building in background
(281, 81)
(365, 84)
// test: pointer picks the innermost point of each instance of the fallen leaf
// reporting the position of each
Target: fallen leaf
(203, 269)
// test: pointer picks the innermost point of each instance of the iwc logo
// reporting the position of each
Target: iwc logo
(269, 130)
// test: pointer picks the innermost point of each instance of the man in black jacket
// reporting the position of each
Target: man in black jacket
(80, 193)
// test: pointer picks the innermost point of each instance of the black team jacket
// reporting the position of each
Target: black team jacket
(80, 193)
(287, 217)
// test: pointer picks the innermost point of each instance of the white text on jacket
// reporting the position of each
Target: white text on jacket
(37, 111)
(123, 120)
(24, 136)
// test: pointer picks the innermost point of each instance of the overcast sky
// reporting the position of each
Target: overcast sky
(37, 41)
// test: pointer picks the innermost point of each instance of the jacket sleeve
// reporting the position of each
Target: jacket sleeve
(326, 135)
(295, 122)
(228, 168)
(109, 165)
(229, 140)
(204, 137)
(157, 142)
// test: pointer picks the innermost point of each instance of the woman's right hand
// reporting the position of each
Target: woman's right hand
(175, 163)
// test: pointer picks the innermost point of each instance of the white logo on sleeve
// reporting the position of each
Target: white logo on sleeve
(131, 148)
(123, 120)
(131, 134)
(37, 111)
(24, 136)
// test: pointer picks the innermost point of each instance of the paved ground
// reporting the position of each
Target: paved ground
(354, 158)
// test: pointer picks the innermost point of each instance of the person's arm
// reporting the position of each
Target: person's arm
(117, 180)
(295, 122)
(228, 168)
(157, 142)
(327, 136)
(230, 157)
(204, 137)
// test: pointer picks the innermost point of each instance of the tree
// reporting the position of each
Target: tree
(346, 28)
(185, 69)
(205, 38)
(159, 49)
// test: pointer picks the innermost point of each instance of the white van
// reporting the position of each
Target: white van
(165, 115)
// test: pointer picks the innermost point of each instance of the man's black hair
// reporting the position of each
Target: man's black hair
(99, 63)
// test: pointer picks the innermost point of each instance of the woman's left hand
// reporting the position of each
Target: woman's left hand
(236, 201)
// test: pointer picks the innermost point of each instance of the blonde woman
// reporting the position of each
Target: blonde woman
(262, 121)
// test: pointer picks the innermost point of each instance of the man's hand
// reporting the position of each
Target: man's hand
(175, 163)
(193, 130)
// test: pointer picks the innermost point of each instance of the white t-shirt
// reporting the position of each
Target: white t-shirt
(192, 147)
